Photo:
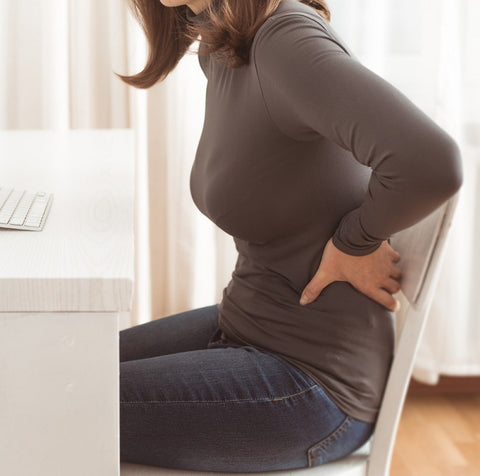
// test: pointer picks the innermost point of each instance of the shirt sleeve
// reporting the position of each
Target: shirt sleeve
(313, 88)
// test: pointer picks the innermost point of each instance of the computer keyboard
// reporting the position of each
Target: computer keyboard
(24, 210)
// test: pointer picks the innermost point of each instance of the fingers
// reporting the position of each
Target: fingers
(395, 273)
(385, 299)
(315, 287)
(375, 275)
(382, 295)
(392, 286)
(395, 256)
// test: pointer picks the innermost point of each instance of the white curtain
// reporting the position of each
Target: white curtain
(58, 58)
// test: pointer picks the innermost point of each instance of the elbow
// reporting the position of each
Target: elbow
(436, 171)
(449, 171)
(433, 174)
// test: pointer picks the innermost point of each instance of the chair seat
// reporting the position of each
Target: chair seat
(352, 465)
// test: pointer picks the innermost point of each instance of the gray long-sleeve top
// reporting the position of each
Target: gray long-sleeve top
(302, 144)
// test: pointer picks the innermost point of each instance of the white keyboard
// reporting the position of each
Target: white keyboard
(24, 210)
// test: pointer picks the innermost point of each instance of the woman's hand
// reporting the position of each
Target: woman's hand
(374, 275)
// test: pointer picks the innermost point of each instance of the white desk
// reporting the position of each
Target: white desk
(61, 293)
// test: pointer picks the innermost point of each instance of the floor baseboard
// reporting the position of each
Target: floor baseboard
(446, 385)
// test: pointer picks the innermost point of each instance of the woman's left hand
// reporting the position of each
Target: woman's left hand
(374, 275)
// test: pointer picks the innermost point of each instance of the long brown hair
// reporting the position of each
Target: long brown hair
(229, 32)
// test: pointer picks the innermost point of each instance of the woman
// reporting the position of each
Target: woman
(311, 162)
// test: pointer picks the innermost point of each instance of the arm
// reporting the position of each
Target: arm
(312, 88)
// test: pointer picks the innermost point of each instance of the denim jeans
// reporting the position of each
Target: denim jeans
(190, 400)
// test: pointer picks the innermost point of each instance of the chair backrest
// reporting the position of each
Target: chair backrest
(421, 248)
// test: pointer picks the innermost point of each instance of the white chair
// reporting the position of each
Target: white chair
(421, 248)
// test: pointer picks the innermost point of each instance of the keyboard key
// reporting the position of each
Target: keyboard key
(10, 205)
(33, 222)
(23, 210)
(4, 194)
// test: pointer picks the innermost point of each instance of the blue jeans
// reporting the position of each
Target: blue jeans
(191, 400)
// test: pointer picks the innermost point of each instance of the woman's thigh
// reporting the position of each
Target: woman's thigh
(190, 330)
(229, 409)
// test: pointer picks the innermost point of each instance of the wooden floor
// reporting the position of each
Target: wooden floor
(439, 435)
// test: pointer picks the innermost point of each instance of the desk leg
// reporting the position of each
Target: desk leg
(59, 408)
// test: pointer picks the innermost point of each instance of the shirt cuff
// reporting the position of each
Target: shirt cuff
(351, 237)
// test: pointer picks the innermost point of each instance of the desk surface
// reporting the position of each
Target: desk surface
(83, 258)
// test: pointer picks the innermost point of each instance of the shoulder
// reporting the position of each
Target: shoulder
(291, 23)
(296, 11)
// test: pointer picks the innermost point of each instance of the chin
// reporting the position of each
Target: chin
(172, 3)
